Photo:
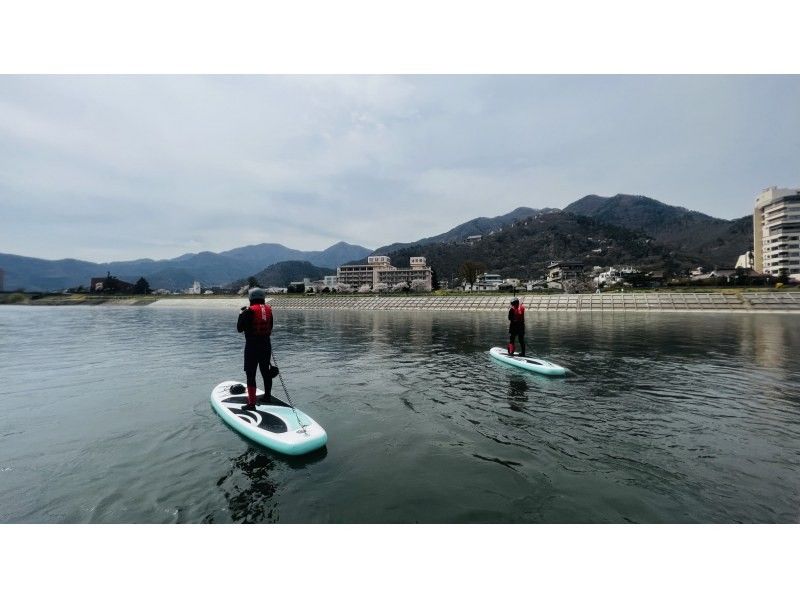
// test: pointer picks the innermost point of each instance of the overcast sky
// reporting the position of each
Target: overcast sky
(122, 167)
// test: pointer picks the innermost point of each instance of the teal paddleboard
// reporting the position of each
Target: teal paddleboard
(273, 424)
(532, 364)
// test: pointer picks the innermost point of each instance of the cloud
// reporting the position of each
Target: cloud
(111, 167)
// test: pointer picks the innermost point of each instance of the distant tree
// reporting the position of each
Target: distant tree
(142, 287)
(380, 287)
(579, 286)
(469, 271)
(636, 279)
(110, 283)
(296, 288)
(365, 288)
(400, 286)
(252, 282)
(434, 279)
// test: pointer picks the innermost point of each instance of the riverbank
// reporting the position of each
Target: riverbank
(784, 302)
(73, 299)
(746, 302)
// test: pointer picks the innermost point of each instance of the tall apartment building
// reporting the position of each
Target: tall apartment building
(776, 231)
(379, 269)
(560, 271)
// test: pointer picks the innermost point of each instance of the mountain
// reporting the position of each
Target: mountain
(265, 254)
(523, 249)
(40, 275)
(715, 241)
(631, 229)
(338, 254)
(477, 226)
(170, 278)
(282, 273)
(210, 268)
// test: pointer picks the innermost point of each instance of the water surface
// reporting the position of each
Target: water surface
(664, 418)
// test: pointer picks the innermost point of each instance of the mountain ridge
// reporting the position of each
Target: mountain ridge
(683, 237)
(523, 249)
(38, 274)
(717, 241)
(477, 226)
(282, 273)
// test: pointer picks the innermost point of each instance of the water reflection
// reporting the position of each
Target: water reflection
(250, 485)
(248, 488)
(767, 340)
(517, 391)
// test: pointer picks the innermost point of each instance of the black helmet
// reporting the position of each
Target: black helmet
(514, 300)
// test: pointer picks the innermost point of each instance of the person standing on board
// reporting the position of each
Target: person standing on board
(516, 326)
(256, 323)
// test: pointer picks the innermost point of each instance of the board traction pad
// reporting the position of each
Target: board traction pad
(269, 422)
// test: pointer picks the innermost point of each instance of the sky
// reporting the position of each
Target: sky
(114, 167)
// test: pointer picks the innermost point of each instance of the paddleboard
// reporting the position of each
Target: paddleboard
(534, 364)
(273, 424)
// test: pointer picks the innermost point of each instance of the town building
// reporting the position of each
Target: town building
(533, 285)
(309, 286)
(356, 275)
(474, 239)
(746, 260)
(195, 289)
(561, 271)
(330, 281)
(776, 231)
(379, 269)
(488, 282)
(110, 284)
(417, 270)
(614, 275)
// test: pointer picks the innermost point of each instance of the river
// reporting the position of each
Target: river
(664, 417)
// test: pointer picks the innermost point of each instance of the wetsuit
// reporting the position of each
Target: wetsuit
(516, 328)
(256, 322)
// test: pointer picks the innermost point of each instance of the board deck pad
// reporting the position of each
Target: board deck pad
(273, 423)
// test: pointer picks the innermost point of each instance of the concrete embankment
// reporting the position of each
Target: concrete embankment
(781, 302)
(743, 302)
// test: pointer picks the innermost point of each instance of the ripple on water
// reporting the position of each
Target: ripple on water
(665, 418)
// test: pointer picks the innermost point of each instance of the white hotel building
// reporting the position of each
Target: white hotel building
(379, 269)
(776, 231)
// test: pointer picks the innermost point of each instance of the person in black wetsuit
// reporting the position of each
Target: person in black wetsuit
(256, 322)
(516, 326)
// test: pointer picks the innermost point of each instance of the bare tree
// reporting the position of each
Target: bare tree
(469, 271)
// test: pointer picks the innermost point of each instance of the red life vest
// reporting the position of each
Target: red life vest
(518, 314)
(262, 320)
